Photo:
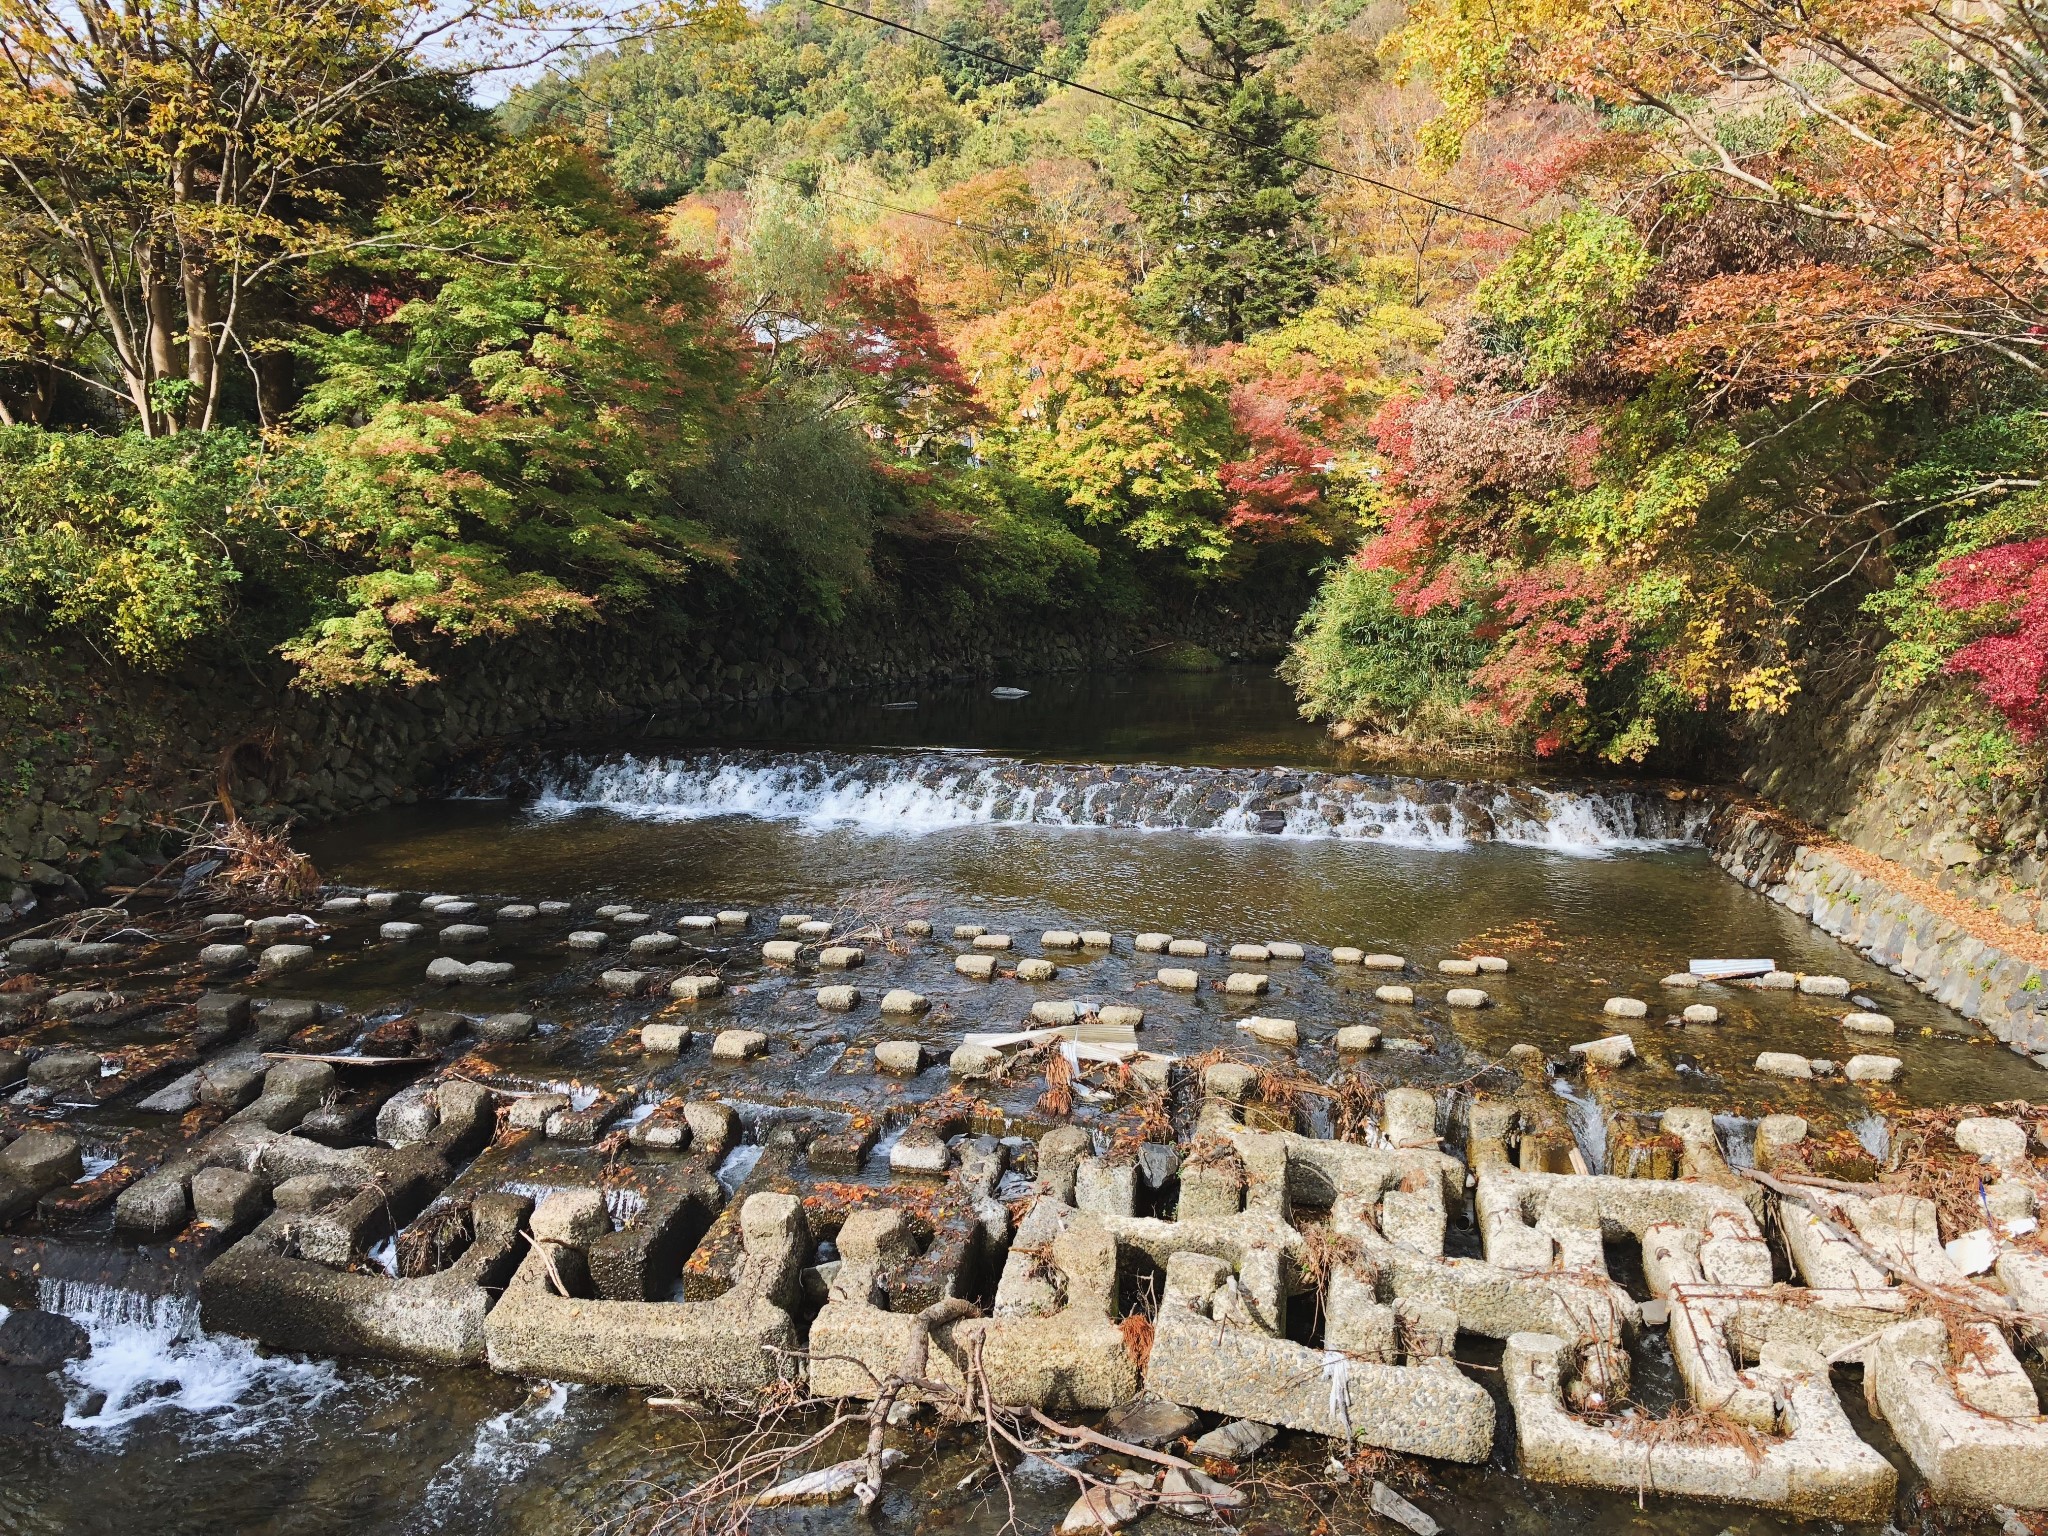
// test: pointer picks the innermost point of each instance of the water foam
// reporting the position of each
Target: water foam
(933, 791)
(150, 1356)
(504, 1449)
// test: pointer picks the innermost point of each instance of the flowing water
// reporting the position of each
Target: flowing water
(1194, 805)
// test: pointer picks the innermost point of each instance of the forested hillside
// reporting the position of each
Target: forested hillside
(1626, 370)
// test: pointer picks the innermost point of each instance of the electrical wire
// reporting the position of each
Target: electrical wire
(1169, 117)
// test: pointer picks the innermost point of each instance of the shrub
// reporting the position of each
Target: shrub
(1358, 655)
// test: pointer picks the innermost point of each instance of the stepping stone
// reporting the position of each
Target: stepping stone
(505, 1026)
(1784, 1064)
(518, 912)
(1384, 963)
(1358, 1037)
(224, 957)
(1188, 949)
(648, 945)
(664, 1039)
(976, 967)
(839, 999)
(1271, 1031)
(1683, 979)
(1824, 986)
(1176, 980)
(841, 957)
(1035, 969)
(900, 1058)
(1872, 1069)
(1466, 997)
(1097, 938)
(464, 933)
(781, 951)
(1868, 1023)
(399, 933)
(1152, 943)
(991, 941)
(918, 928)
(1059, 938)
(1625, 1007)
(342, 904)
(903, 1001)
(279, 958)
(624, 983)
(1250, 954)
(968, 930)
(974, 1060)
(588, 939)
(1286, 951)
(1490, 965)
(1613, 1051)
(732, 917)
(1344, 954)
(1118, 1015)
(739, 1044)
(1458, 967)
(698, 924)
(694, 989)
(1701, 1013)
(1400, 997)
(553, 908)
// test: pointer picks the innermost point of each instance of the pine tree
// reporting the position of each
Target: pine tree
(1223, 202)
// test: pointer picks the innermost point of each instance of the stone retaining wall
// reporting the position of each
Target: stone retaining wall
(1981, 981)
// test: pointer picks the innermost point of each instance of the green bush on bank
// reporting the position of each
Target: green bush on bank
(1358, 656)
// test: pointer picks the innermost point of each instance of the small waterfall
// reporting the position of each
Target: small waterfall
(1737, 1134)
(1875, 1133)
(150, 1356)
(928, 791)
(1588, 1122)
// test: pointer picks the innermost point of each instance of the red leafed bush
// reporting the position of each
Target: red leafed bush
(2006, 585)
(1555, 629)
(1288, 425)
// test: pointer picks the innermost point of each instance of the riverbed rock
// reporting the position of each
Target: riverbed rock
(83, 1002)
(32, 1340)
(532, 1111)
(1466, 997)
(1358, 1037)
(739, 1044)
(1235, 1441)
(63, 1069)
(920, 1149)
(900, 1058)
(1104, 1507)
(1784, 1064)
(1860, 1023)
(1397, 996)
(1175, 979)
(1244, 983)
(976, 967)
(1997, 1141)
(1625, 1008)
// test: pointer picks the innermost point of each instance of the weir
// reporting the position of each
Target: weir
(1244, 1100)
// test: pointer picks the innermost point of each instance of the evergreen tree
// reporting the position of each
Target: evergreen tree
(1222, 202)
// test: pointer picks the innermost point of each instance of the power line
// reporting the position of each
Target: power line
(1168, 117)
